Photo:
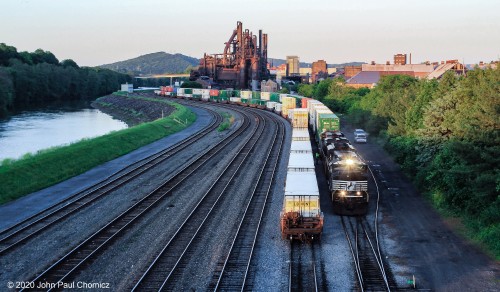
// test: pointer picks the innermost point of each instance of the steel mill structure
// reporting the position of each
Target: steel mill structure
(242, 65)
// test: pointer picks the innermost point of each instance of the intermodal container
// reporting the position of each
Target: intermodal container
(304, 102)
(278, 107)
(246, 94)
(265, 95)
(299, 118)
(214, 92)
(275, 96)
(300, 135)
(235, 99)
(255, 94)
(270, 105)
(327, 122)
(302, 194)
(180, 92)
(288, 103)
(188, 90)
(282, 95)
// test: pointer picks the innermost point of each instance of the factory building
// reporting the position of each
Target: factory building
(292, 65)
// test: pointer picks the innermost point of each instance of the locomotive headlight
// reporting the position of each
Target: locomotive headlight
(349, 162)
(358, 193)
(342, 193)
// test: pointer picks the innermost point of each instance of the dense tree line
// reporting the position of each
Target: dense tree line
(444, 133)
(28, 78)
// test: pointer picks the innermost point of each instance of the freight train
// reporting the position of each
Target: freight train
(345, 171)
(301, 217)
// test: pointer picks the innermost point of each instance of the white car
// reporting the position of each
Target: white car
(359, 131)
(360, 138)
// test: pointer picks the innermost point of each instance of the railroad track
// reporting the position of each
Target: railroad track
(370, 269)
(17, 234)
(168, 265)
(75, 260)
(303, 274)
(231, 274)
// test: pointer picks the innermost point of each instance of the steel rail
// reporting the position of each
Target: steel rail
(148, 277)
(265, 182)
(75, 259)
(94, 192)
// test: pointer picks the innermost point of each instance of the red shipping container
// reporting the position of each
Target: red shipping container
(304, 102)
(169, 88)
(214, 92)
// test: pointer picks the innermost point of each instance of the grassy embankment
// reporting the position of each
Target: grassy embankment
(48, 167)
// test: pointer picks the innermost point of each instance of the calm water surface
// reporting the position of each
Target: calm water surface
(30, 131)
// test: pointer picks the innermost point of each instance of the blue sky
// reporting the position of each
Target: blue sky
(95, 32)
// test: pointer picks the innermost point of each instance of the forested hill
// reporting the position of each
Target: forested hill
(154, 63)
(37, 77)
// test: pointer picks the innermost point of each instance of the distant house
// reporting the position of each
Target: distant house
(127, 88)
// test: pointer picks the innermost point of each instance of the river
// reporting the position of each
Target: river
(55, 125)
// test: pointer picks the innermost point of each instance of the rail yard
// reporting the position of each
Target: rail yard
(203, 213)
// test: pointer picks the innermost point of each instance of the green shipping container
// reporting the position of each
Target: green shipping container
(255, 94)
(188, 90)
(223, 93)
(236, 93)
(327, 122)
(196, 96)
(275, 96)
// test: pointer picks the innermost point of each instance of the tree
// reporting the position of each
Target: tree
(69, 63)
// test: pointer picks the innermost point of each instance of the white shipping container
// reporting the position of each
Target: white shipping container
(270, 105)
(302, 194)
(235, 99)
(265, 95)
(300, 135)
(277, 107)
(246, 94)
(301, 162)
(205, 97)
(205, 91)
(290, 114)
(312, 115)
(282, 95)
(197, 91)
(180, 91)
(301, 147)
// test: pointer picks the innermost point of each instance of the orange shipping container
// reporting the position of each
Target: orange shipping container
(304, 102)
(214, 92)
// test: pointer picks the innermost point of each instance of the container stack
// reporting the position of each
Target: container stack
(288, 103)
(298, 117)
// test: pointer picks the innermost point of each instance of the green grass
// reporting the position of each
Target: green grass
(226, 124)
(51, 166)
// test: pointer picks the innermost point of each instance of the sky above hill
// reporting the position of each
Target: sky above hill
(95, 32)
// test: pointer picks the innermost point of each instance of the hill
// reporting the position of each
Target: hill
(154, 63)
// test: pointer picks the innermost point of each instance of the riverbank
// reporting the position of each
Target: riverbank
(48, 167)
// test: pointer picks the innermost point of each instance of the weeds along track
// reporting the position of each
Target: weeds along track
(77, 259)
(168, 267)
(231, 273)
(17, 234)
